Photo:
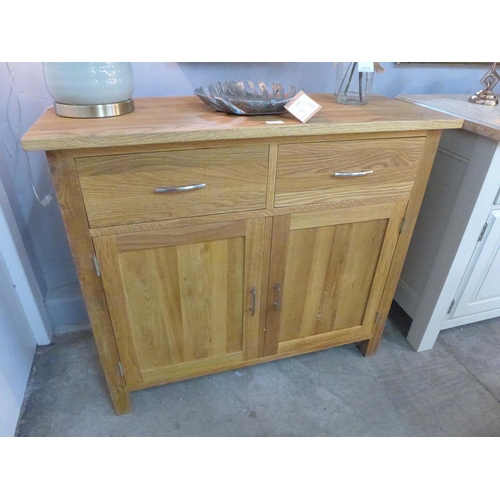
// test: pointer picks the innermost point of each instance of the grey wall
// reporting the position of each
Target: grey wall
(24, 97)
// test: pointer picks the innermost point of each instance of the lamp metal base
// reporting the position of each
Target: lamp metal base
(94, 110)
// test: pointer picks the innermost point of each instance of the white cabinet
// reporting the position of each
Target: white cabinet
(479, 293)
(451, 274)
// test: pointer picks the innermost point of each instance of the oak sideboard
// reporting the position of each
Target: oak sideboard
(206, 242)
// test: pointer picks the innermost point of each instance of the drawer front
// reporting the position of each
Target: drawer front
(120, 189)
(316, 172)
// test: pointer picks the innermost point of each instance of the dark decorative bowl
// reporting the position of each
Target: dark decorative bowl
(237, 99)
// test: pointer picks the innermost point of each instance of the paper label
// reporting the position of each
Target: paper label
(302, 107)
(366, 67)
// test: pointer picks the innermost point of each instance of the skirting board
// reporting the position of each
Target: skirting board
(66, 309)
(407, 299)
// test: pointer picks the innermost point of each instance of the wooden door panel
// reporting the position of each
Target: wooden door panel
(202, 294)
(330, 277)
(183, 304)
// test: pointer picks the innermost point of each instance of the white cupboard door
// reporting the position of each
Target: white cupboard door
(482, 290)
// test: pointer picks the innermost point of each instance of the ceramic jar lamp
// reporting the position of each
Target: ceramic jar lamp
(90, 89)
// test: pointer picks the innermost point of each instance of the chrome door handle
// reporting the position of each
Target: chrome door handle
(352, 174)
(253, 291)
(277, 302)
(168, 189)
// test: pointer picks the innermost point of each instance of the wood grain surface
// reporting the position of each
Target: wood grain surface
(70, 200)
(181, 299)
(120, 189)
(158, 120)
(331, 271)
(175, 295)
(306, 172)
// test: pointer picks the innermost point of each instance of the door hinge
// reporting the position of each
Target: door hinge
(96, 265)
(483, 231)
(120, 369)
(451, 307)
(377, 316)
(403, 223)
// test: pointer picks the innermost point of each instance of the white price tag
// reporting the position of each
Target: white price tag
(302, 107)
(366, 67)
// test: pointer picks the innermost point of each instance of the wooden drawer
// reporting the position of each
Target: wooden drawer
(306, 171)
(120, 189)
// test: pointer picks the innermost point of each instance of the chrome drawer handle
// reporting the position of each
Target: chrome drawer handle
(168, 189)
(352, 174)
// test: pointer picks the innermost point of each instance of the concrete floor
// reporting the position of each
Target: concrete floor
(451, 390)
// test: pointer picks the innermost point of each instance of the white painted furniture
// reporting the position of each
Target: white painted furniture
(23, 320)
(451, 275)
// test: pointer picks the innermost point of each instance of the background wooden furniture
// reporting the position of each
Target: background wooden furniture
(287, 238)
(451, 274)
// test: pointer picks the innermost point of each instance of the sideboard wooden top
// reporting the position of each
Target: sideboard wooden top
(159, 120)
(482, 120)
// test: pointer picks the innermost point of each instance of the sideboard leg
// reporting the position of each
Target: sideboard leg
(121, 401)
(369, 347)
(65, 177)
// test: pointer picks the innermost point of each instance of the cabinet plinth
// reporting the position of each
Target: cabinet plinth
(224, 242)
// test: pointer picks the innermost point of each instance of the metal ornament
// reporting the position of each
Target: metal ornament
(486, 96)
(235, 98)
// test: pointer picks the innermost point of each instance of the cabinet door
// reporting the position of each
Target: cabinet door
(328, 272)
(481, 287)
(183, 301)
